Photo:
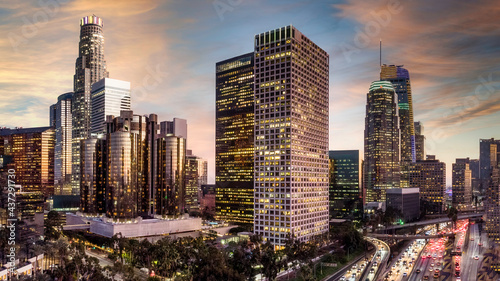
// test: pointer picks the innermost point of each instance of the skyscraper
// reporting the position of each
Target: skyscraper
(430, 177)
(291, 136)
(134, 170)
(109, 97)
(196, 176)
(61, 120)
(32, 156)
(461, 183)
(400, 80)
(345, 194)
(234, 139)
(381, 169)
(171, 185)
(90, 67)
(419, 141)
(492, 195)
(475, 178)
(488, 148)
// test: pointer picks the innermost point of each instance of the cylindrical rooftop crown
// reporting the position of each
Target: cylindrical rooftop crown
(381, 85)
(91, 20)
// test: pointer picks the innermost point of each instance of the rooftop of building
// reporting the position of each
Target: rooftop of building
(20, 130)
(407, 190)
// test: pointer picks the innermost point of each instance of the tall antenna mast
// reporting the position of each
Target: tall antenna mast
(380, 52)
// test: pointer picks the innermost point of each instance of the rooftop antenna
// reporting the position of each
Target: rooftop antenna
(380, 52)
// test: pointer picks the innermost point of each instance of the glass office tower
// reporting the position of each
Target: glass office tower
(234, 139)
(381, 163)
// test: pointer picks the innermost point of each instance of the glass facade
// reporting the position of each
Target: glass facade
(31, 153)
(171, 187)
(61, 120)
(291, 136)
(488, 149)
(90, 67)
(345, 194)
(419, 141)
(234, 139)
(109, 97)
(492, 198)
(196, 176)
(461, 184)
(381, 167)
(134, 170)
(400, 79)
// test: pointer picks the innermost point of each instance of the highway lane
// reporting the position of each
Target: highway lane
(354, 273)
(458, 263)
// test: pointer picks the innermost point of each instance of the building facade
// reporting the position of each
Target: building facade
(492, 198)
(487, 149)
(345, 194)
(61, 120)
(171, 185)
(31, 153)
(196, 176)
(234, 139)
(90, 67)
(461, 183)
(430, 177)
(400, 80)
(381, 163)
(291, 136)
(406, 200)
(419, 141)
(134, 170)
(108, 97)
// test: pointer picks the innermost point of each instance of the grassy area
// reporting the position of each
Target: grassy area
(326, 270)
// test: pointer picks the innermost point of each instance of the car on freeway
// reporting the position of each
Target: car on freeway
(476, 257)
(418, 271)
(426, 277)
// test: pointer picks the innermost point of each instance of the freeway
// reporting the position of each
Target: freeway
(473, 256)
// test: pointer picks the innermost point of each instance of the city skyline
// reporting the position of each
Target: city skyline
(454, 77)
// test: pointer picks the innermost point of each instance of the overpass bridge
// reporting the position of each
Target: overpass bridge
(408, 237)
(434, 221)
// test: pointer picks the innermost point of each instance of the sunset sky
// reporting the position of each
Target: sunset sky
(168, 51)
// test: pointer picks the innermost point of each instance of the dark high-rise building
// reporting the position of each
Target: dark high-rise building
(61, 120)
(461, 183)
(419, 141)
(487, 149)
(234, 139)
(196, 176)
(94, 175)
(90, 67)
(291, 136)
(400, 79)
(134, 170)
(171, 185)
(31, 153)
(492, 198)
(406, 200)
(430, 177)
(345, 194)
(475, 178)
(381, 164)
